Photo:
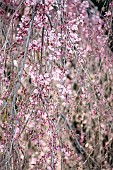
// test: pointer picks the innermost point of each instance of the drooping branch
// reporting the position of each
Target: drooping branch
(81, 149)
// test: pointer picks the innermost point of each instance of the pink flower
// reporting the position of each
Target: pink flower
(1, 102)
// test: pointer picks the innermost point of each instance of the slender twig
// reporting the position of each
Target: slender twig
(42, 43)
(49, 19)
(25, 123)
(4, 33)
(4, 46)
(43, 28)
(86, 71)
(7, 7)
(51, 121)
(20, 74)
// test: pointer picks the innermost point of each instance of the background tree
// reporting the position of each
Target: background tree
(56, 81)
